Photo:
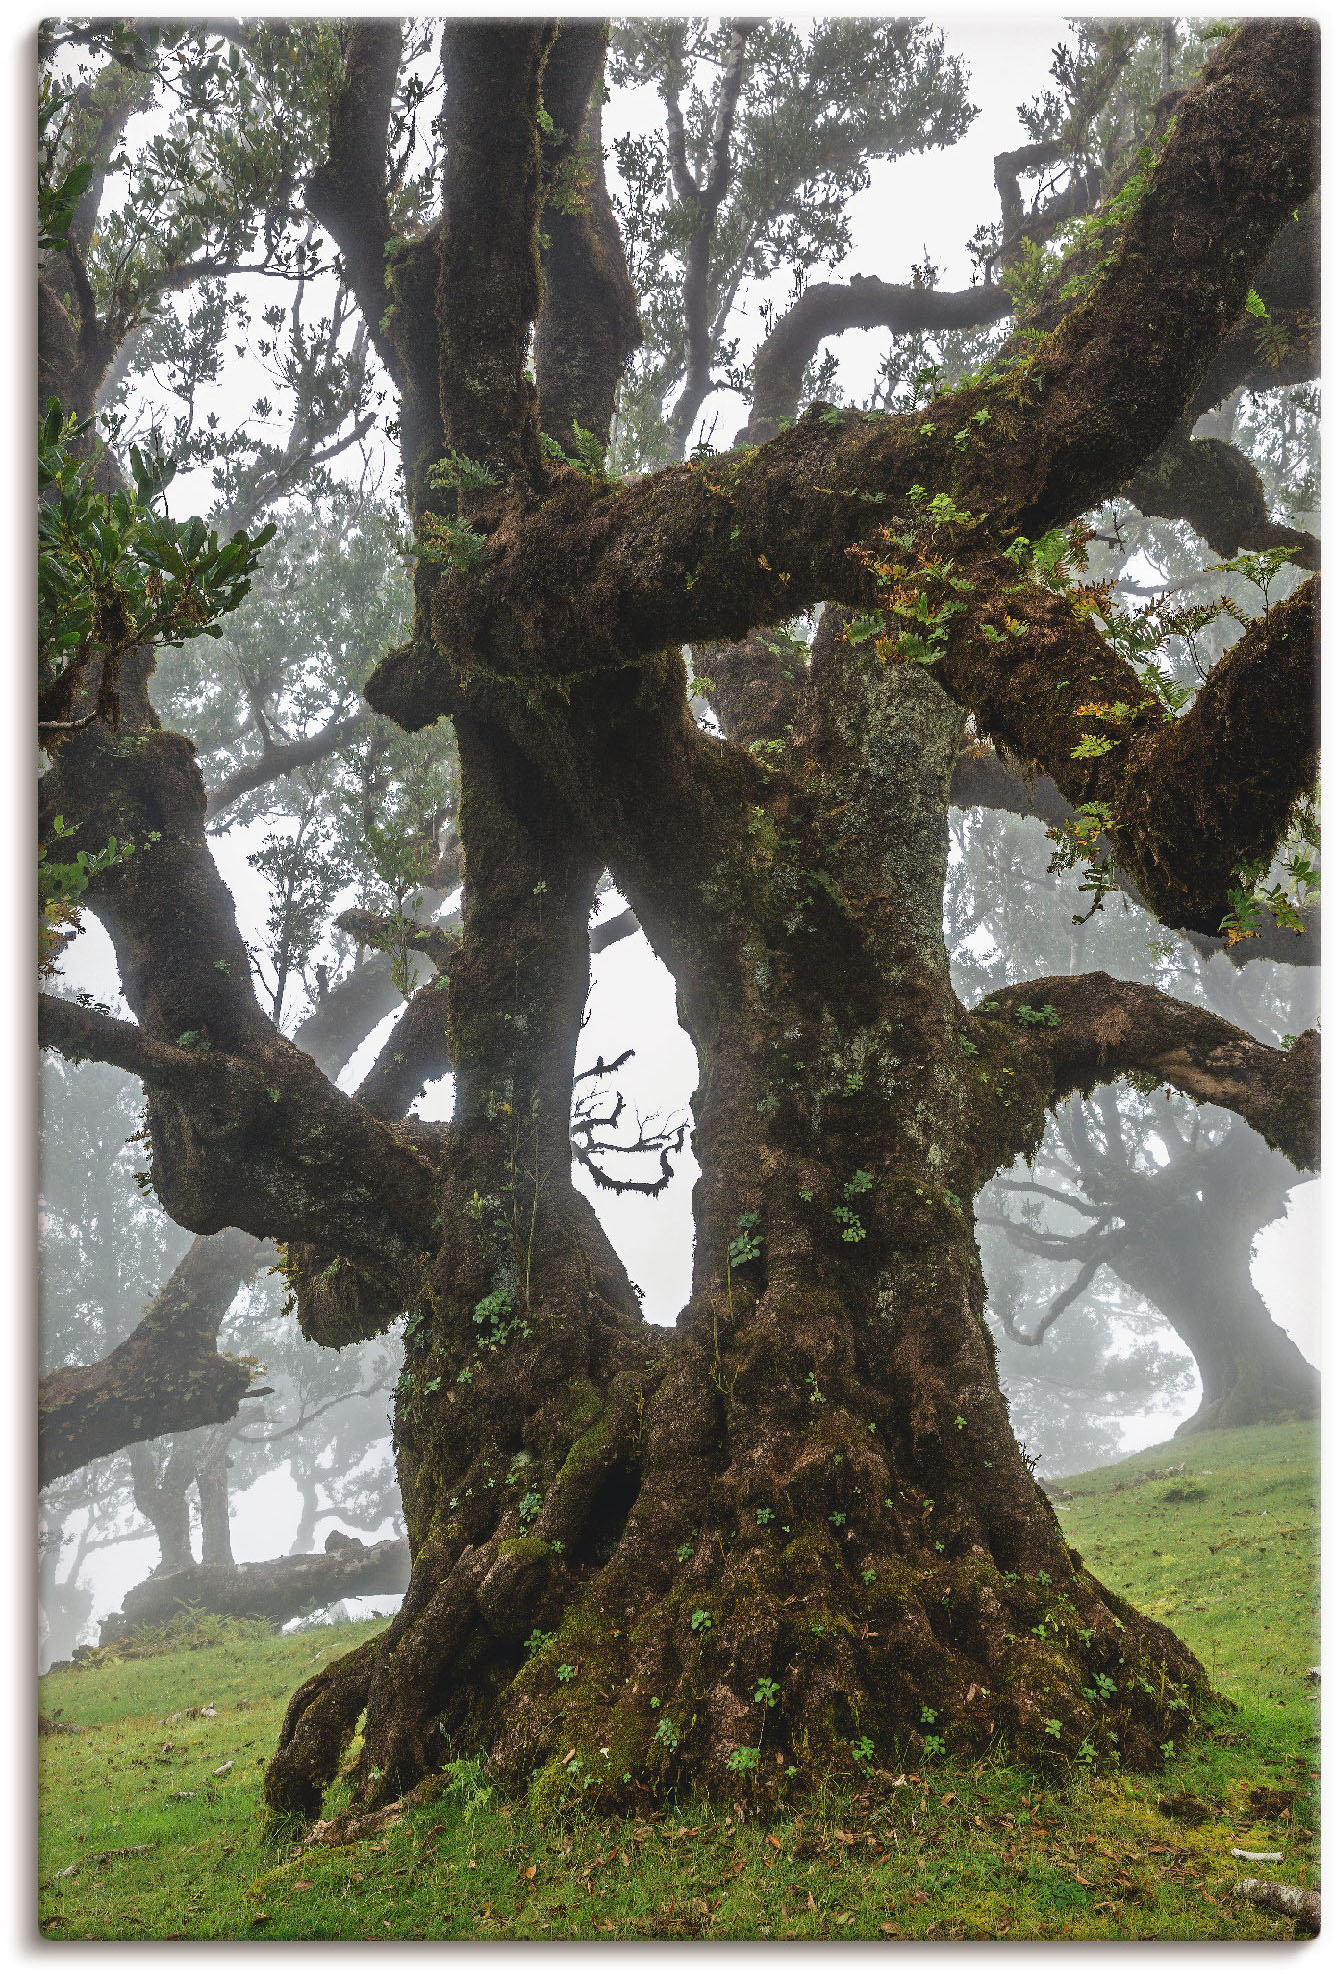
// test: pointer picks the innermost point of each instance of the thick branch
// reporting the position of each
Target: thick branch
(1288, 353)
(85, 1034)
(623, 925)
(753, 688)
(168, 1374)
(589, 322)
(703, 203)
(348, 194)
(489, 284)
(1218, 491)
(263, 1142)
(416, 1052)
(983, 779)
(385, 934)
(832, 307)
(1189, 800)
(166, 1377)
(275, 762)
(244, 1128)
(1107, 1028)
(280, 1589)
(596, 579)
(1215, 788)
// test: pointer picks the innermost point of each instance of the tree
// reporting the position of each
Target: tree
(1181, 1234)
(1128, 1188)
(805, 1507)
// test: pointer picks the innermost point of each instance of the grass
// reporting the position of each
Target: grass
(156, 1805)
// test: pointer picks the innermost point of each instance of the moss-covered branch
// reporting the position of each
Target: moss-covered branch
(415, 1052)
(262, 1142)
(1284, 350)
(489, 282)
(1185, 802)
(167, 1376)
(985, 779)
(1070, 1033)
(589, 321)
(596, 577)
(349, 193)
(386, 934)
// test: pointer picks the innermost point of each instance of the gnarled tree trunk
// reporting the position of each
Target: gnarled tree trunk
(798, 1532)
(1182, 1237)
(1194, 1264)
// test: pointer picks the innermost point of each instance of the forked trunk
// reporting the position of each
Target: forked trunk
(796, 1536)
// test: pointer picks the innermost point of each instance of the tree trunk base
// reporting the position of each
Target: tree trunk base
(938, 1659)
(744, 1628)
(1258, 1401)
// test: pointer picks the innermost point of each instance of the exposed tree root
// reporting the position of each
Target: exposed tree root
(321, 1719)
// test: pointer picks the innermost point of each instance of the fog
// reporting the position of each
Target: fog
(916, 206)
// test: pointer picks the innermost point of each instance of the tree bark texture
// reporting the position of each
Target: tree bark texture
(810, 1491)
(797, 1533)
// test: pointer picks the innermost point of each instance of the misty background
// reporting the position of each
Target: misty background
(1112, 1374)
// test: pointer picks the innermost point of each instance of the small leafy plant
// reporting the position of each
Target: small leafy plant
(746, 1246)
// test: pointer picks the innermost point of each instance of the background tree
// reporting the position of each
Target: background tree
(768, 132)
(812, 1483)
(1175, 1217)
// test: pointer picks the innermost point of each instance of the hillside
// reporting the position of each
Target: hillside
(152, 1822)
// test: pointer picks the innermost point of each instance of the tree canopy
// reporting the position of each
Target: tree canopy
(552, 636)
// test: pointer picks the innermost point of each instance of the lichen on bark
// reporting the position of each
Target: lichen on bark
(797, 1535)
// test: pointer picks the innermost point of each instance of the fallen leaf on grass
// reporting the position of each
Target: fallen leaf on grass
(221, 1769)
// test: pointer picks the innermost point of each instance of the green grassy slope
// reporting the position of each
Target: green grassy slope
(156, 1805)
(1224, 1551)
